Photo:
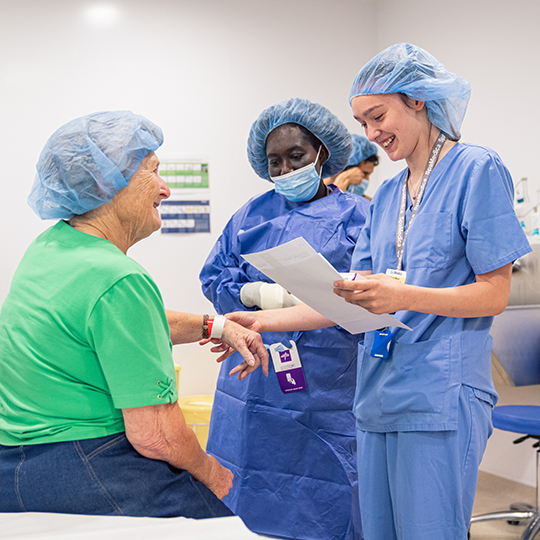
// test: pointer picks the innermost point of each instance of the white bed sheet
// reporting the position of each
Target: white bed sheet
(44, 526)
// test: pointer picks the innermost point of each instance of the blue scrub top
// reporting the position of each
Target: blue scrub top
(465, 226)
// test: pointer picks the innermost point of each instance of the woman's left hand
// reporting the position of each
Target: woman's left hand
(248, 343)
(378, 293)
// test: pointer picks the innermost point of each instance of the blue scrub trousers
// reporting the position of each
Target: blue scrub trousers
(102, 476)
(420, 485)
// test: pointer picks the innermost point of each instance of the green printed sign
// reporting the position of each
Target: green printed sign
(184, 174)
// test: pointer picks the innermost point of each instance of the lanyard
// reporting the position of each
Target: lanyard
(401, 233)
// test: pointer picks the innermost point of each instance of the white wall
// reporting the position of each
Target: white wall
(495, 45)
(202, 70)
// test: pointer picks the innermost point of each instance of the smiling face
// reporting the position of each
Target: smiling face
(137, 204)
(288, 149)
(396, 124)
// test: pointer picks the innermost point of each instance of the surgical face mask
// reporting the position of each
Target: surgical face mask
(360, 189)
(299, 185)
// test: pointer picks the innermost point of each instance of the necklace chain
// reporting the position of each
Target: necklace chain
(415, 193)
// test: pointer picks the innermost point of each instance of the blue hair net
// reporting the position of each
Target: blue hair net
(88, 160)
(405, 68)
(362, 149)
(315, 118)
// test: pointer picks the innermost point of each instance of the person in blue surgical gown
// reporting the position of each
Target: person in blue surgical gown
(362, 162)
(293, 453)
(446, 230)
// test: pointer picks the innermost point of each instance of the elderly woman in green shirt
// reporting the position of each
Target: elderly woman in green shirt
(88, 417)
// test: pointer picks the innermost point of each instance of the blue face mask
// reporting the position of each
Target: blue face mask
(360, 189)
(299, 185)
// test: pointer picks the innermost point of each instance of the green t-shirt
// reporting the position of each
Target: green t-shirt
(83, 334)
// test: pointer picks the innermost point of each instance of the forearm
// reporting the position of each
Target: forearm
(184, 327)
(299, 318)
(478, 299)
(160, 432)
(380, 293)
(342, 182)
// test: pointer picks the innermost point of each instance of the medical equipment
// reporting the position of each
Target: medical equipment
(299, 185)
(267, 296)
(519, 419)
(197, 411)
(360, 189)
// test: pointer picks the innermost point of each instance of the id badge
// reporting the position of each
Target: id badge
(400, 275)
(288, 367)
(381, 344)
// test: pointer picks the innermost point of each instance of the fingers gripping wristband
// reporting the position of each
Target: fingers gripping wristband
(215, 326)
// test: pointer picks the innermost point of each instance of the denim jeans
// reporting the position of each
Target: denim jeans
(103, 476)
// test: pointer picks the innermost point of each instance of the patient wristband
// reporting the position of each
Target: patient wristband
(215, 326)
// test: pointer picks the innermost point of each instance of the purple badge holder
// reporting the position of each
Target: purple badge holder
(288, 367)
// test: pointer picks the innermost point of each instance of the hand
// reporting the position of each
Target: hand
(247, 319)
(352, 176)
(247, 342)
(378, 293)
(250, 321)
(220, 479)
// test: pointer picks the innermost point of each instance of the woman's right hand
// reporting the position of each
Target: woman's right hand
(247, 319)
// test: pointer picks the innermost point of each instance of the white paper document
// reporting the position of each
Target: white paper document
(299, 269)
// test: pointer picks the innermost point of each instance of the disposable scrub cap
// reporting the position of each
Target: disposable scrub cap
(88, 160)
(405, 68)
(315, 118)
(362, 149)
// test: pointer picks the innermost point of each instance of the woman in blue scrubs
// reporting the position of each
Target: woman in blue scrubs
(290, 440)
(437, 251)
(362, 162)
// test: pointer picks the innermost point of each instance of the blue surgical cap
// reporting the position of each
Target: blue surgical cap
(405, 68)
(362, 149)
(315, 118)
(87, 161)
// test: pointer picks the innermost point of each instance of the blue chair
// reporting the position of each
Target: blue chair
(519, 419)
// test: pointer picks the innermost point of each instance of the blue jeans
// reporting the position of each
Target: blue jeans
(103, 476)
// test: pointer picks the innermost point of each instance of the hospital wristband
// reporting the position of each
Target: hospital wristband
(215, 326)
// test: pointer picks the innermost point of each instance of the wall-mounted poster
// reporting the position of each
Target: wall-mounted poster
(184, 174)
(187, 210)
(185, 216)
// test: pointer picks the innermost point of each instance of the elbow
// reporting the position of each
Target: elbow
(499, 304)
(151, 446)
(499, 308)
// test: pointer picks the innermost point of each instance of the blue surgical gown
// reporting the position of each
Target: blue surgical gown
(293, 455)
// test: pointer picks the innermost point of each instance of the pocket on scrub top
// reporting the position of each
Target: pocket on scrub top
(429, 240)
(418, 378)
